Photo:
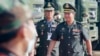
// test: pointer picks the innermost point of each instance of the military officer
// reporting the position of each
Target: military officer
(45, 28)
(71, 35)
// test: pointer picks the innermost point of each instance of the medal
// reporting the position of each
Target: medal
(62, 36)
(41, 32)
(63, 29)
(42, 26)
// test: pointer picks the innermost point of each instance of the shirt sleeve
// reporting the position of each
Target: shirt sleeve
(55, 35)
(85, 33)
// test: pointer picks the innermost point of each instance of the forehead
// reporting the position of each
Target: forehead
(49, 10)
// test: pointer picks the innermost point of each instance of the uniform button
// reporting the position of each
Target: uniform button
(46, 46)
(68, 51)
(69, 37)
(68, 44)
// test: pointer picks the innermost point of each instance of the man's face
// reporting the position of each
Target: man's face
(69, 16)
(49, 14)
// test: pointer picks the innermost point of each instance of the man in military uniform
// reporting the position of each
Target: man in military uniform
(17, 32)
(45, 28)
(71, 35)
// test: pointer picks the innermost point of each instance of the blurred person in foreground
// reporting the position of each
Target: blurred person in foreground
(17, 31)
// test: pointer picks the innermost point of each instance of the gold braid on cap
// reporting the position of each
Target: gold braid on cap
(68, 10)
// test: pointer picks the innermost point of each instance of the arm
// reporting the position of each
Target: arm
(87, 40)
(54, 39)
(51, 46)
(89, 47)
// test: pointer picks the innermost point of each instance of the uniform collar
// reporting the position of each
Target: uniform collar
(45, 21)
(74, 23)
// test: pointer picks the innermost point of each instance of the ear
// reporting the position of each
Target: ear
(21, 33)
(25, 33)
(21, 38)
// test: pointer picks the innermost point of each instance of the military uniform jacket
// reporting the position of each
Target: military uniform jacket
(71, 38)
(43, 30)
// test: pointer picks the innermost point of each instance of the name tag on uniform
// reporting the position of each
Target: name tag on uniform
(49, 36)
(76, 30)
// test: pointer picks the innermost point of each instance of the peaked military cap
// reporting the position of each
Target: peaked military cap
(49, 6)
(68, 8)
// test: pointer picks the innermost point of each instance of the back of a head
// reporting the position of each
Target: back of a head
(17, 29)
(8, 25)
(11, 20)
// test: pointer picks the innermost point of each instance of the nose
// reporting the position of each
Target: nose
(67, 15)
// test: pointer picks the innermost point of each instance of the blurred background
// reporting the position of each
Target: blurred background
(88, 13)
